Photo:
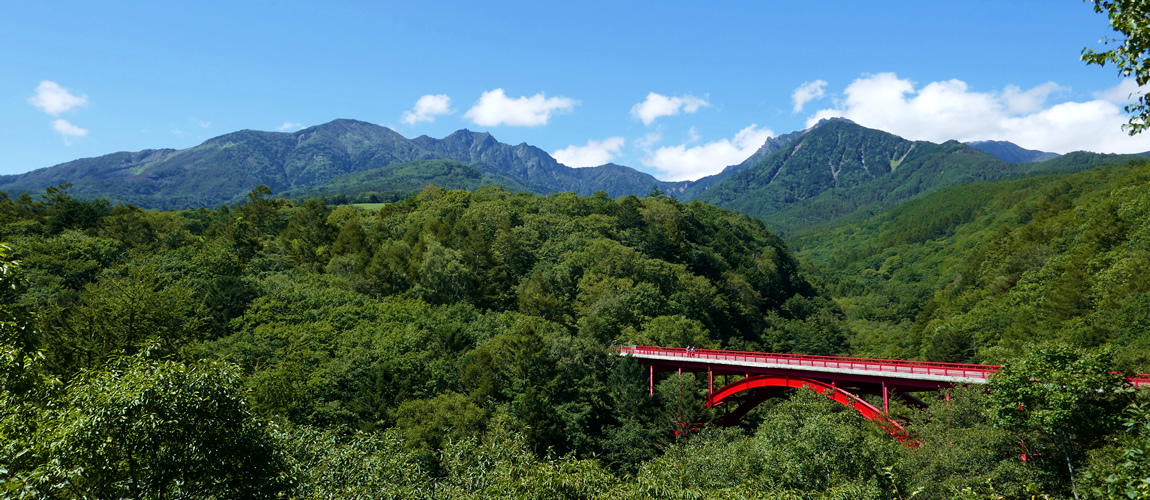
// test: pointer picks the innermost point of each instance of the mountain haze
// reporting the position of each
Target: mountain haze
(1011, 152)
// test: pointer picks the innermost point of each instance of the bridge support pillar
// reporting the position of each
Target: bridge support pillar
(710, 382)
(652, 380)
(885, 398)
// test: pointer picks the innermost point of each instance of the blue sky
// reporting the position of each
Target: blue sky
(676, 89)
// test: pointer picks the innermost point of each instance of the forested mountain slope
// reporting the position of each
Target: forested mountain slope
(396, 182)
(976, 272)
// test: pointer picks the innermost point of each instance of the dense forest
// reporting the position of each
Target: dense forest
(457, 344)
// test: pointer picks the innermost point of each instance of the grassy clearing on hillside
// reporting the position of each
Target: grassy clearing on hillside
(372, 207)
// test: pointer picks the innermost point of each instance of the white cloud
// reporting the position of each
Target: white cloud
(693, 135)
(53, 99)
(940, 111)
(595, 153)
(1019, 101)
(808, 92)
(68, 130)
(649, 140)
(427, 108)
(204, 124)
(289, 126)
(658, 105)
(1126, 92)
(683, 163)
(495, 108)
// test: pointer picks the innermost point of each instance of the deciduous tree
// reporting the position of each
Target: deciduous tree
(1131, 52)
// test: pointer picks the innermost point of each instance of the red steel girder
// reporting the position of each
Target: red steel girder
(837, 394)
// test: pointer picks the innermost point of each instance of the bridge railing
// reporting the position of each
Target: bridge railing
(834, 362)
(1140, 380)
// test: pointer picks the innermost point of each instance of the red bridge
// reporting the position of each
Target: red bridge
(765, 375)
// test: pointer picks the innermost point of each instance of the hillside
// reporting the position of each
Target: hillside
(976, 272)
(225, 168)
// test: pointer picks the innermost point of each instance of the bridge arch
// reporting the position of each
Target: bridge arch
(776, 384)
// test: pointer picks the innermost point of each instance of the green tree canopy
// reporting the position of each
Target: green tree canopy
(152, 429)
(1130, 53)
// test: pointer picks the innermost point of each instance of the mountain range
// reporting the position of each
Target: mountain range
(834, 170)
(223, 169)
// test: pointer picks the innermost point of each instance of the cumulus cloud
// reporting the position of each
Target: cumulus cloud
(289, 126)
(68, 130)
(940, 111)
(657, 105)
(494, 108)
(1126, 92)
(693, 135)
(689, 163)
(427, 108)
(53, 99)
(808, 92)
(595, 153)
(649, 140)
(1028, 101)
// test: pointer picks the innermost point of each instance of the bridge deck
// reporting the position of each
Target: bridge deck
(829, 366)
